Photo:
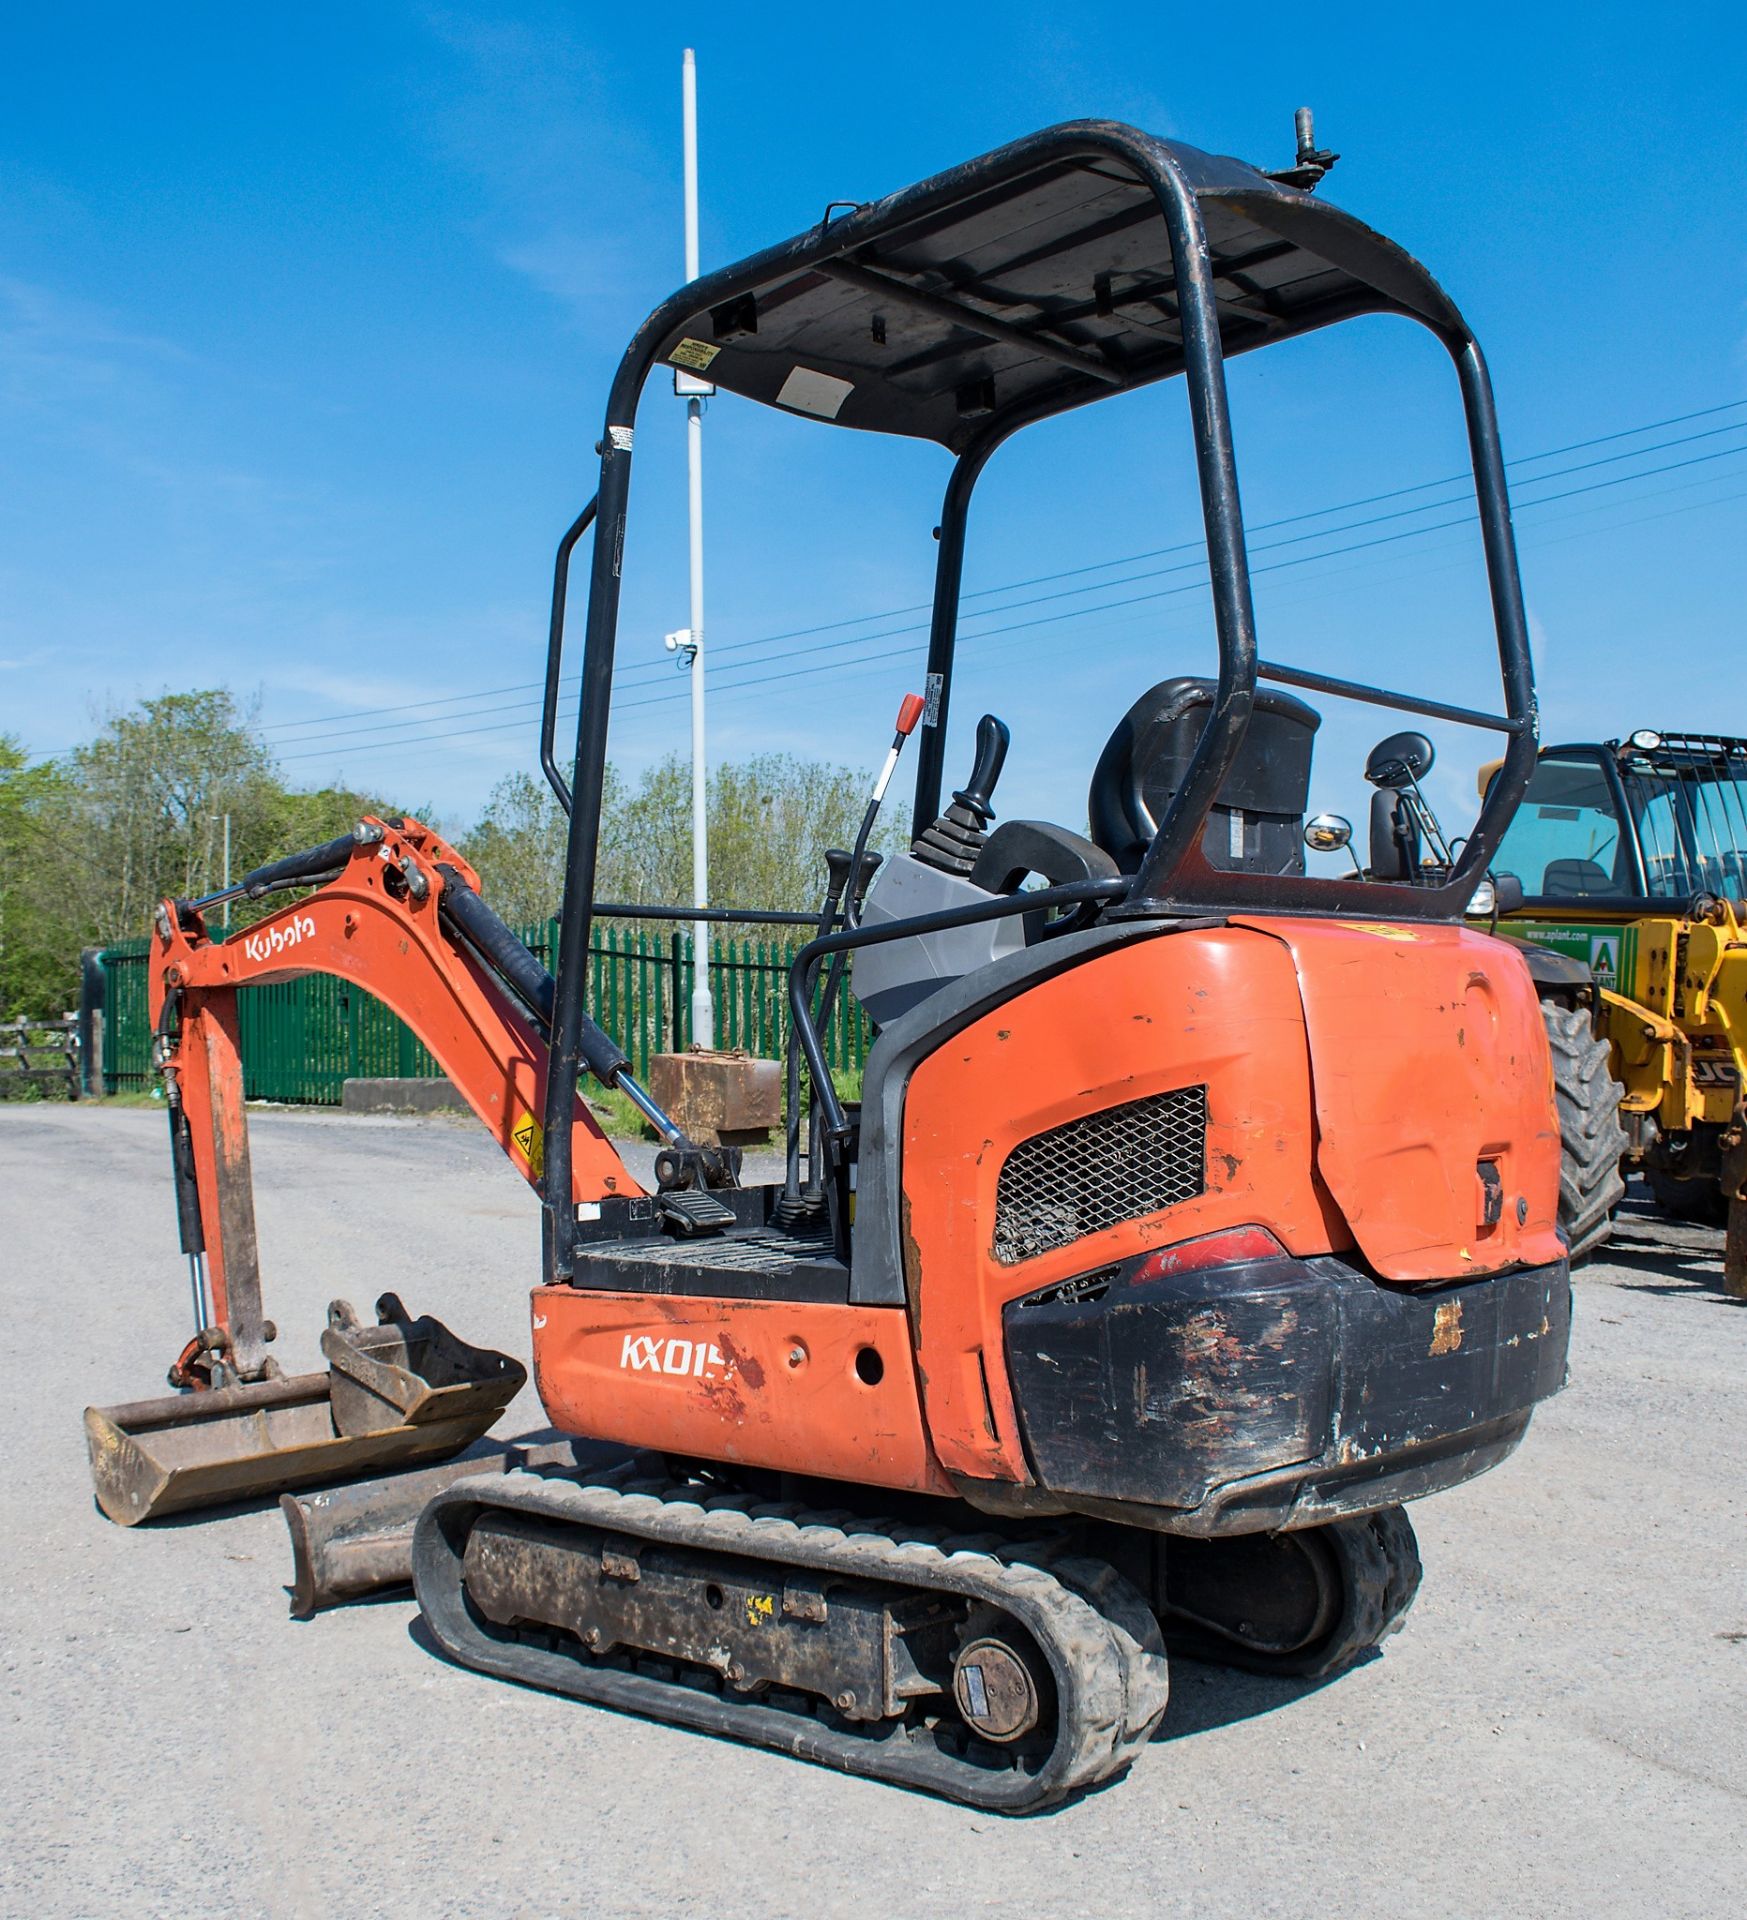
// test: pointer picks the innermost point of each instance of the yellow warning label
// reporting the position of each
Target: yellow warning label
(760, 1607)
(527, 1135)
(1383, 930)
(696, 354)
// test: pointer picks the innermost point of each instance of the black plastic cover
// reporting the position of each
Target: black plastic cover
(1254, 1394)
(1147, 757)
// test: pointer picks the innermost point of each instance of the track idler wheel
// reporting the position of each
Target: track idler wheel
(1308, 1603)
(1000, 1684)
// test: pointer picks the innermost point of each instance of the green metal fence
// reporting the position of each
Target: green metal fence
(303, 1039)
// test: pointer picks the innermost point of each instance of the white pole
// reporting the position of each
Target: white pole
(703, 1008)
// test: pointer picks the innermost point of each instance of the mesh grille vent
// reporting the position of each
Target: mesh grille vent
(1106, 1167)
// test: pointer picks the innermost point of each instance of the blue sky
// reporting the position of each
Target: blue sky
(306, 317)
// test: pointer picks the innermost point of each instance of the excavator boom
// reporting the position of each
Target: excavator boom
(395, 913)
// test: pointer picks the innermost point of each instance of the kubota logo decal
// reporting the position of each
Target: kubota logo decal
(263, 946)
(649, 1353)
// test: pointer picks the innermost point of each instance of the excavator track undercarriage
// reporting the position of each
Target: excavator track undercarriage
(1006, 1674)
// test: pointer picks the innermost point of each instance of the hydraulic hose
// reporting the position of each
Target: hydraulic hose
(498, 946)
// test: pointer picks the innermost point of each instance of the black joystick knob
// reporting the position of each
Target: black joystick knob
(837, 864)
(979, 789)
(871, 863)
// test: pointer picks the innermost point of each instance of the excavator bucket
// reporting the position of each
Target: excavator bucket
(401, 1394)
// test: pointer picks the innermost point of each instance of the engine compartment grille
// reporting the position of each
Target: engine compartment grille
(1099, 1170)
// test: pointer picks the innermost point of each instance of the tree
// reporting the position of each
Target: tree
(770, 819)
(33, 973)
(144, 808)
(92, 843)
(517, 848)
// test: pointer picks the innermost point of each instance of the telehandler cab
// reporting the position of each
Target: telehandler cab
(1197, 1211)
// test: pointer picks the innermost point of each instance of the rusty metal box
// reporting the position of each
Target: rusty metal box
(720, 1099)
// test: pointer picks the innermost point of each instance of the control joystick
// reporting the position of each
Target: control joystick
(952, 844)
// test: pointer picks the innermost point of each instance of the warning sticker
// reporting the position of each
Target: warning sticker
(696, 354)
(527, 1135)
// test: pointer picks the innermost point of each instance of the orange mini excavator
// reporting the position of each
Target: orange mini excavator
(1198, 1211)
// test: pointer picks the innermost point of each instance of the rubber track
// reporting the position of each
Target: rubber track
(1099, 1637)
(1377, 1557)
(1591, 1138)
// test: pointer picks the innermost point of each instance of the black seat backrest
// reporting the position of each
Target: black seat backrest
(1256, 824)
(1395, 837)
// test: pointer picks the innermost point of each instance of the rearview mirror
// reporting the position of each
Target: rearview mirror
(1400, 760)
(1327, 833)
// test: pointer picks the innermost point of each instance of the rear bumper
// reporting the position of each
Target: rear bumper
(1281, 1392)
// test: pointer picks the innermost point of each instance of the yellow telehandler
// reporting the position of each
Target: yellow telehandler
(1631, 860)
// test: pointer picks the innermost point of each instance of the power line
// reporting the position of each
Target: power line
(898, 653)
(863, 659)
(1101, 566)
(382, 736)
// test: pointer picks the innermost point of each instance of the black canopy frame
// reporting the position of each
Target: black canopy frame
(998, 293)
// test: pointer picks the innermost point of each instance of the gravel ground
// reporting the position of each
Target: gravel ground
(1561, 1728)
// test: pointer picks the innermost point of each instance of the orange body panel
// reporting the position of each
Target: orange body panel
(1217, 1007)
(1429, 1056)
(1354, 1077)
(763, 1383)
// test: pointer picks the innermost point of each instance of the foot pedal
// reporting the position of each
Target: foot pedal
(692, 1211)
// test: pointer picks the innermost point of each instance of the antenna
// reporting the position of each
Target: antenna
(1312, 161)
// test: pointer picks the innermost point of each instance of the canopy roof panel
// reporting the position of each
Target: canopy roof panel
(1004, 291)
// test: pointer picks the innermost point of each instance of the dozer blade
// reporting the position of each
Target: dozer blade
(347, 1542)
(397, 1395)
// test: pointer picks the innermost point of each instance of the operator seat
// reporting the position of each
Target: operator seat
(1569, 879)
(1257, 823)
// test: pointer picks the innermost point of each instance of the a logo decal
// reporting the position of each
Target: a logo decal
(649, 1353)
(263, 946)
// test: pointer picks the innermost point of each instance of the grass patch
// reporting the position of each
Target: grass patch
(618, 1117)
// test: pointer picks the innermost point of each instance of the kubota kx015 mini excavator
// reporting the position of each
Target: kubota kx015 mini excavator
(1197, 1212)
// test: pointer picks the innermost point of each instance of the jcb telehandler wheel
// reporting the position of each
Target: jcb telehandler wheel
(1700, 1201)
(1304, 1604)
(1591, 1137)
